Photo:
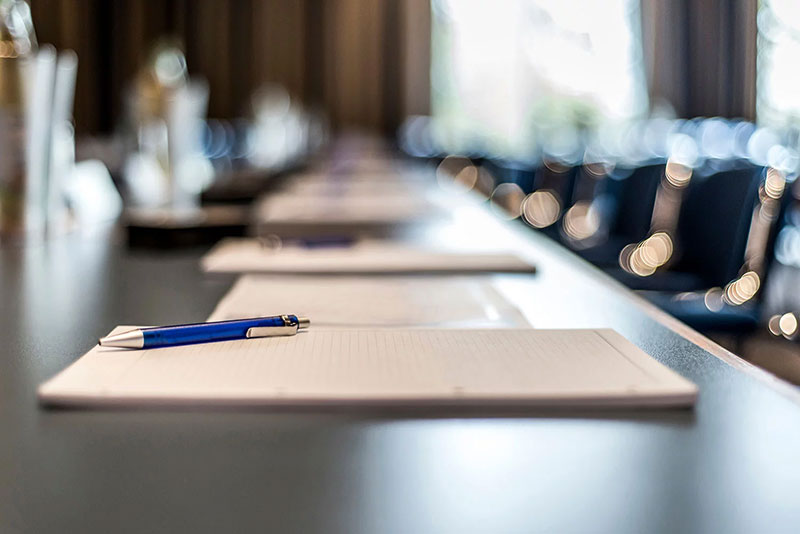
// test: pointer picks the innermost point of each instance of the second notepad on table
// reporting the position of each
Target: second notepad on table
(361, 257)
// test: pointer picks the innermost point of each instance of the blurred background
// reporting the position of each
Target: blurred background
(369, 63)
(365, 63)
(656, 139)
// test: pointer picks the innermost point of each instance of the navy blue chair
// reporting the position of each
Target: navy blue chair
(711, 236)
(630, 195)
(554, 176)
(514, 172)
(559, 178)
(695, 310)
(713, 232)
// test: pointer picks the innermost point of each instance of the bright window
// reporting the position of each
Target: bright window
(507, 73)
(778, 72)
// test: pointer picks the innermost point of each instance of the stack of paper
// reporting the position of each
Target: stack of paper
(348, 301)
(353, 212)
(339, 188)
(379, 367)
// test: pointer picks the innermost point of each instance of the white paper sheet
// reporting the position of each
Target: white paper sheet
(364, 188)
(353, 207)
(397, 301)
(249, 255)
(592, 368)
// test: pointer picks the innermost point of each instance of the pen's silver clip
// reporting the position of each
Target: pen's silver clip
(270, 331)
(289, 328)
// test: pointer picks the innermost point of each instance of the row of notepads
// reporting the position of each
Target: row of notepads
(379, 337)
(378, 340)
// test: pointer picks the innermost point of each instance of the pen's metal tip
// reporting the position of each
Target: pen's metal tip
(100, 341)
(127, 340)
(303, 322)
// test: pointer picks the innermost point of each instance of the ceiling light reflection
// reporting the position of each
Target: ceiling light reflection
(774, 184)
(742, 289)
(540, 209)
(456, 173)
(677, 174)
(788, 325)
(506, 200)
(774, 325)
(555, 166)
(485, 183)
(713, 299)
(598, 169)
(581, 221)
(644, 258)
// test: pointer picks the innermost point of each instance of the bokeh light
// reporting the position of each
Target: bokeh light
(581, 222)
(788, 325)
(506, 200)
(742, 289)
(541, 209)
(642, 259)
(677, 174)
(457, 173)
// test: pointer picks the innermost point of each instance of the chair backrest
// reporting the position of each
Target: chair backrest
(634, 197)
(507, 171)
(559, 178)
(714, 222)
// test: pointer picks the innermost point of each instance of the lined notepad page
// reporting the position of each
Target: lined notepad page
(396, 367)
(358, 301)
(249, 255)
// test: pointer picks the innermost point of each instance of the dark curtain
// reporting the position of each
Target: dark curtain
(701, 55)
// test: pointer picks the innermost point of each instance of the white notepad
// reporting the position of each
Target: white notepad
(523, 367)
(354, 208)
(249, 255)
(346, 188)
(359, 301)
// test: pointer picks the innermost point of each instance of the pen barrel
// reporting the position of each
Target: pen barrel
(207, 332)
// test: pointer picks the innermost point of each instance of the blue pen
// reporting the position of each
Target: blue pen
(185, 334)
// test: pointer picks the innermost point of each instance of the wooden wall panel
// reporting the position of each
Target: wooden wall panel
(208, 52)
(353, 62)
(416, 57)
(278, 48)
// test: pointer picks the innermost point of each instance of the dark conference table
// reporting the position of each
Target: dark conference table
(730, 465)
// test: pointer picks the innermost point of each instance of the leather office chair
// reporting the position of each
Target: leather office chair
(554, 181)
(726, 232)
(550, 183)
(514, 172)
(628, 208)
(711, 234)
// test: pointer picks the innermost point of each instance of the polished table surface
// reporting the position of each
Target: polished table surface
(730, 465)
